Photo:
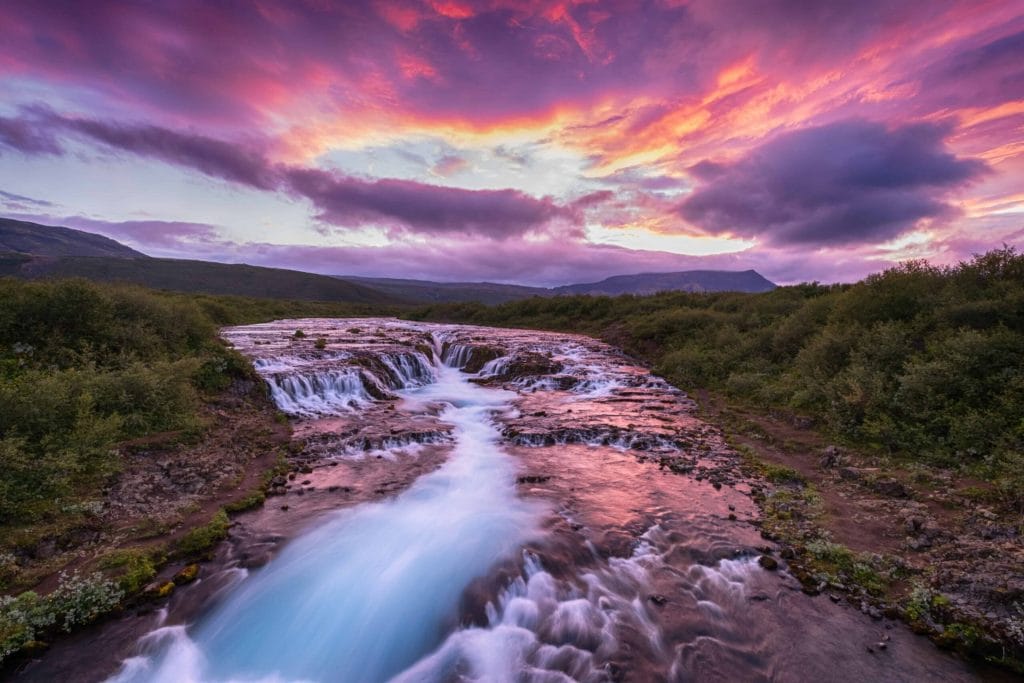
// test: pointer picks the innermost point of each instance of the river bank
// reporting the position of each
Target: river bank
(639, 557)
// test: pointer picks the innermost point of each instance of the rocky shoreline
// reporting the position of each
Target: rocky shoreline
(929, 547)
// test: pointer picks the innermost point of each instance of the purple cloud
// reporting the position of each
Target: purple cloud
(835, 184)
(341, 200)
(23, 135)
(347, 201)
(213, 157)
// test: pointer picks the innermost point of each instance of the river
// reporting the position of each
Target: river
(477, 504)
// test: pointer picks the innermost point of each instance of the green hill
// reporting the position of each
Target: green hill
(196, 276)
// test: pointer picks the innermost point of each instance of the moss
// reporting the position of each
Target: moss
(162, 590)
(779, 474)
(133, 568)
(199, 541)
(249, 502)
(186, 574)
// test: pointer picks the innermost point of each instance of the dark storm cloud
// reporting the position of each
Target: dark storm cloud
(422, 208)
(840, 183)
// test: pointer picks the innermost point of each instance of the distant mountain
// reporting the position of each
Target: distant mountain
(427, 292)
(30, 250)
(197, 276)
(687, 281)
(23, 237)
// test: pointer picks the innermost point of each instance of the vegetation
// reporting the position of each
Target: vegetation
(77, 600)
(202, 539)
(918, 361)
(197, 276)
(86, 367)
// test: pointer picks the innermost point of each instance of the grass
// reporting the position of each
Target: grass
(920, 363)
(200, 541)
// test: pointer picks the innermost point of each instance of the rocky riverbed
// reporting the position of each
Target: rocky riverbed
(479, 504)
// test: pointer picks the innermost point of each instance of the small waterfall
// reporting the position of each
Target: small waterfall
(496, 367)
(320, 393)
(370, 590)
(457, 355)
(408, 370)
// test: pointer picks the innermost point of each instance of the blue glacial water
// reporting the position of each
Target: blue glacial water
(370, 590)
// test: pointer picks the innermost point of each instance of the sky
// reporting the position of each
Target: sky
(540, 143)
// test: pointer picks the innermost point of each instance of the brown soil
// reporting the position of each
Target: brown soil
(948, 532)
(169, 487)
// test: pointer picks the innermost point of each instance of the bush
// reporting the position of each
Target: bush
(202, 539)
(919, 361)
(77, 600)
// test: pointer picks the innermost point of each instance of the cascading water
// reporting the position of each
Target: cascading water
(560, 515)
(369, 591)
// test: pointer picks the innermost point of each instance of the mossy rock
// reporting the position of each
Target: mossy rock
(186, 574)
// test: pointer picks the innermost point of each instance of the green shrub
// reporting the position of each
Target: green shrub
(77, 600)
(918, 361)
(202, 539)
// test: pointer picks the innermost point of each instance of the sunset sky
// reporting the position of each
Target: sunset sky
(516, 141)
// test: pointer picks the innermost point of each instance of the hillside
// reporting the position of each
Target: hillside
(31, 250)
(686, 281)
(426, 291)
(490, 293)
(23, 237)
(197, 276)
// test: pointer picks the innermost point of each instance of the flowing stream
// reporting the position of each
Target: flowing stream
(366, 593)
(476, 504)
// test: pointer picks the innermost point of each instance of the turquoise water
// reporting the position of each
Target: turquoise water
(370, 590)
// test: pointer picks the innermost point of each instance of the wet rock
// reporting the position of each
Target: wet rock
(533, 479)
(186, 574)
(768, 562)
(658, 600)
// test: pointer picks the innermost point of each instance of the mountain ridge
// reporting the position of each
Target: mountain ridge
(31, 250)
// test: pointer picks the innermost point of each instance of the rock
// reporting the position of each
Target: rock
(768, 562)
(919, 543)
(533, 479)
(658, 600)
(732, 517)
(914, 524)
(892, 488)
(45, 549)
(159, 590)
(831, 457)
(851, 474)
(186, 574)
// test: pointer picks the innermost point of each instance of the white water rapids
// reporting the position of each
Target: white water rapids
(369, 591)
(568, 519)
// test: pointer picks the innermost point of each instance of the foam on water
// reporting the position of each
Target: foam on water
(370, 590)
